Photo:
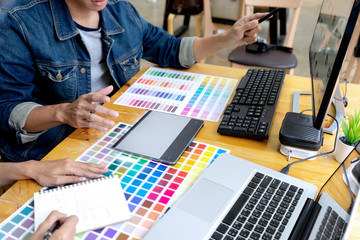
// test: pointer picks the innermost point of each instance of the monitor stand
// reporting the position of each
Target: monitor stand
(295, 152)
(301, 153)
(337, 102)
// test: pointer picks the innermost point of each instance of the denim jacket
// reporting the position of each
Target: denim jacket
(43, 61)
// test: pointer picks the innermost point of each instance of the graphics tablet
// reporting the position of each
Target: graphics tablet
(160, 136)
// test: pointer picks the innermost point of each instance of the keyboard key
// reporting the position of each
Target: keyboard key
(235, 209)
(291, 208)
(267, 215)
(240, 238)
(271, 230)
(222, 228)
(233, 232)
(242, 219)
(260, 189)
(260, 207)
(275, 183)
(263, 222)
(277, 235)
(260, 229)
(256, 179)
(249, 226)
(253, 220)
(256, 213)
(268, 195)
(274, 223)
(281, 210)
(267, 236)
(266, 181)
(225, 127)
(244, 233)
(237, 225)
(227, 237)
(290, 193)
(255, 236)
(245, 212)
(278, 216)
(217, 236)
(284, 204)
(274, 204)
(259, 175)
(249, 190)
(285, 221)
(281, 228)
(284, 186)
(257, 195)
(270, 209)
(264, 201)
(240, 129)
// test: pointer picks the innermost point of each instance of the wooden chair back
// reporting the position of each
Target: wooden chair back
(294, 5)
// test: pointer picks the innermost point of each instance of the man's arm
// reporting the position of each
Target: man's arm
(18, 110)
(242, 32)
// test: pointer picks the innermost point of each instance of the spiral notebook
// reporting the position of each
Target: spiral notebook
(97, 203)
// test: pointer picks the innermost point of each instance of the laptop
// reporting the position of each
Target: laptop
(237, 199)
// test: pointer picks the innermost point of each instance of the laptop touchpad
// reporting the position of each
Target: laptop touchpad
(205, 199)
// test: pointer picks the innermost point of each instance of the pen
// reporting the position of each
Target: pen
(269, 15)
(50, 231)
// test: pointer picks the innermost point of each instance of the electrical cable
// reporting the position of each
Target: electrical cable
(305, 110)
(286, 169)
(355, 160)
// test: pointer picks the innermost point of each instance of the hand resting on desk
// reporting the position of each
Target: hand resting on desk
(50, 173)
(64, 171)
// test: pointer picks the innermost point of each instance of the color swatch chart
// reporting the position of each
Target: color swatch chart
(149, 187)
(183, 93)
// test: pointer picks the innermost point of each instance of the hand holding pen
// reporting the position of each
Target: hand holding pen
(56, 226)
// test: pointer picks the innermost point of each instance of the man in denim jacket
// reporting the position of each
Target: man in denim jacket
(60, 57)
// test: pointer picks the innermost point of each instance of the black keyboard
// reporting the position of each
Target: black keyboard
(252, 109)
(332, 226)
(261, 212)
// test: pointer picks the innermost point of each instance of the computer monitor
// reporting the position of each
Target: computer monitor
(333, 31)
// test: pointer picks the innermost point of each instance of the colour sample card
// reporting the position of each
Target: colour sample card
(183, 93)
(149, 187)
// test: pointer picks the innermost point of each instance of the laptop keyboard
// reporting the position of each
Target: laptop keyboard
(262, 211)
(332, 226)
(253, 107)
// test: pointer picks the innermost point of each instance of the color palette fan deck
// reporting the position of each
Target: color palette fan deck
(149, 187)
(183, 93)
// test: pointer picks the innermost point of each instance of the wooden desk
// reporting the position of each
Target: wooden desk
(264, 152)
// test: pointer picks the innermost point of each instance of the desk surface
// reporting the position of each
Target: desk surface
(265, 152)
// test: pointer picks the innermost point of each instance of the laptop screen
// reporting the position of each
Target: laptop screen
(337, 187)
